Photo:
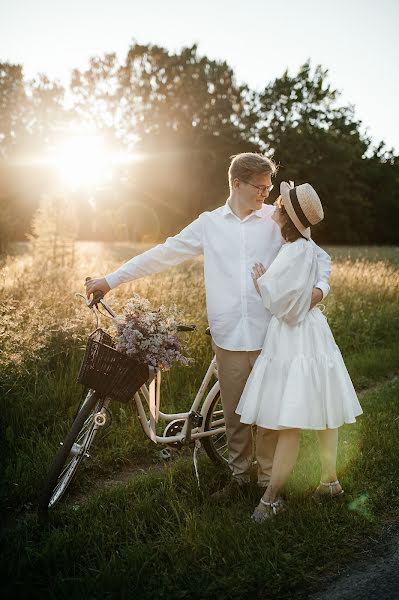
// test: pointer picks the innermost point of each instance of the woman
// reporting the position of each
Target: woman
(299, 381)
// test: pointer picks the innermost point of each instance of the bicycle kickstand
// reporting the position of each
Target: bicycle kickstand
(197, 446)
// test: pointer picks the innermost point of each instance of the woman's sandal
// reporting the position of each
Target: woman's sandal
(326, 490)
(262, 515)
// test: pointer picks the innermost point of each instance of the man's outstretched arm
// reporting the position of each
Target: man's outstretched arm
(175, 250)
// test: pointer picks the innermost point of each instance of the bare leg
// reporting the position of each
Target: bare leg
(266, 442)
(285, 458)
(328, 443)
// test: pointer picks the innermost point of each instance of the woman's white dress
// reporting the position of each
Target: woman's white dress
(299, 380)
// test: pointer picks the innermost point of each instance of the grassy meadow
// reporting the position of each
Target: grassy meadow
(156, 535)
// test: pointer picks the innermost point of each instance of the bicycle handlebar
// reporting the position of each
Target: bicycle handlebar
(97, 296)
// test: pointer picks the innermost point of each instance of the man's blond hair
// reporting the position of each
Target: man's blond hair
(243, 166)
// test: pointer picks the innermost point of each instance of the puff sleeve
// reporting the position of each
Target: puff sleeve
(286, 287)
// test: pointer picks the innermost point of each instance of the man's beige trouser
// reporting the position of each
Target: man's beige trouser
(234, 368)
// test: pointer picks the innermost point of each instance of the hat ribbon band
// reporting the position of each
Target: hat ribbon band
(297, 208)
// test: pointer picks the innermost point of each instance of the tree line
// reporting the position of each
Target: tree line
(185, 115)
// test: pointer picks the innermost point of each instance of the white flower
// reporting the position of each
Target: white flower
(149, 335)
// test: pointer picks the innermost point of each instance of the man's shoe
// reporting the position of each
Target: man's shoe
(233, 490)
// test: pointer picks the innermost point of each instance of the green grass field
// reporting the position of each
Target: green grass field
(156, 535)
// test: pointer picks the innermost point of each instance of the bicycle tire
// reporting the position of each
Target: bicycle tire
(62, 472)
(215, 446)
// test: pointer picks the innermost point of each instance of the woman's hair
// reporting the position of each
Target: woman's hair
(288, 230)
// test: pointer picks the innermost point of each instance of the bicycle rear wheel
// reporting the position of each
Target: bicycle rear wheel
(72, 451)
(216, 445)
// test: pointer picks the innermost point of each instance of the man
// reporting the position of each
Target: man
(232, 239)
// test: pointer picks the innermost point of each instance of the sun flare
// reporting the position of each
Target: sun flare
(86, 161)
(83, 161)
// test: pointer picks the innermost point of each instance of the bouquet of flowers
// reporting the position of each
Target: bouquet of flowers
(149, 336)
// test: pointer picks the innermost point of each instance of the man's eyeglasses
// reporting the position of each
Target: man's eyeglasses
(262, 189)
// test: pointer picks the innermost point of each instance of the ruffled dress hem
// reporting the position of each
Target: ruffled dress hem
(322, 397)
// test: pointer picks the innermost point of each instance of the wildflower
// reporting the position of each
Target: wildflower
(149, 335)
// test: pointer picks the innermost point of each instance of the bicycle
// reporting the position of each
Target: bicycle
(203, 424)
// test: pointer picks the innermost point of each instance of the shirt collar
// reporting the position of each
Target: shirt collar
(226, 210)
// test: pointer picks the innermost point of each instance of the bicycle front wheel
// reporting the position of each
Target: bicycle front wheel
(72, 451)
(216, 445)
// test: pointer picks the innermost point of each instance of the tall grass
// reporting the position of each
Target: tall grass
(43, 330)
(159, 537)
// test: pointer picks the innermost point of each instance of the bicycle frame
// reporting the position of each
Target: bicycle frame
(188, 432)
(194, 421)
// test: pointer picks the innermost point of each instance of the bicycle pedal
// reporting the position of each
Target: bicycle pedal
(165, 454)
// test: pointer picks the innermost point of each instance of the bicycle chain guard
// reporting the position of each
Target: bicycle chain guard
(174, 428)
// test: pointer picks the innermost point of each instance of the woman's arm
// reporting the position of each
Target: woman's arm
(323, 269)
(286, 285)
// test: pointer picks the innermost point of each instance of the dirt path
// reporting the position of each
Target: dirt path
(373, 576)
(153, 464)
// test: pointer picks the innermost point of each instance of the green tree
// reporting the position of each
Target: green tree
(182, 95)
(13, 103)
(31, 113)
(184, 113)
(318, 140)
(381, 174)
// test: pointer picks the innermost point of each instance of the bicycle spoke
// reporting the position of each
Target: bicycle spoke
(63, 481)
(220, 448)
(216, 446)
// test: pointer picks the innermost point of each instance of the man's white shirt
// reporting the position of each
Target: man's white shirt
(231, 246)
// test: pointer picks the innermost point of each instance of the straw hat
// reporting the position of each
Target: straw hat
(303, 206)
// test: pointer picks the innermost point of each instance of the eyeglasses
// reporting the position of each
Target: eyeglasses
(262, 189)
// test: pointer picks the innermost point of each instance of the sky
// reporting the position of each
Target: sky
(356, 40)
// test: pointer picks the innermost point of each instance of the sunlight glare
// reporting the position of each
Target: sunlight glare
(83, 161)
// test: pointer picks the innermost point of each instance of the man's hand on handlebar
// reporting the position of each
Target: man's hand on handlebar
(94, 285)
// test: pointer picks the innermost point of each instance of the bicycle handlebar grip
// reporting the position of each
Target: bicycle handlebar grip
(186, 327)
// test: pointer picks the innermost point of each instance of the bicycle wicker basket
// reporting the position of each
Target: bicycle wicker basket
(110, 372)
